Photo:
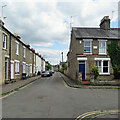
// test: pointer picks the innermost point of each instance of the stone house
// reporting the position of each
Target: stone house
(88, 47)
(18, 59)
(5, 54)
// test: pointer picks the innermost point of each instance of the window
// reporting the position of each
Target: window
(16, 67)
(4, 41)
(17, 48)
(102, 47)
(30, 55)
(87, 47)
(30, 68)
(103, 66)
(24, 52)
(24, 68)
(98, 64)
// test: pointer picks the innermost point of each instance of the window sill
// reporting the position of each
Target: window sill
(4, 49)
(17, 74)
(102, 54)
(87, 53)
(104, 73)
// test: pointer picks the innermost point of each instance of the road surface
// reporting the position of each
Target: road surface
(48, 97)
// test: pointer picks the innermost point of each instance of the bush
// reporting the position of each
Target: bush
(116, 69)
(95, 72)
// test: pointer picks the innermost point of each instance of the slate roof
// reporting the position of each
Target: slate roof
(93, 33)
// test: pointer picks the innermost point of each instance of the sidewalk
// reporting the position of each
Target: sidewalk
(70, 83)
(9, 87)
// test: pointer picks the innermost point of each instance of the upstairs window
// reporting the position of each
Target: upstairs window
(17, 48)
(87, 47)
(4, 41)
(24, 52)
(102, 47)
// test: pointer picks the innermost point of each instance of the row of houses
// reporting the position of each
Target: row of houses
(88, 47)
(17, 59)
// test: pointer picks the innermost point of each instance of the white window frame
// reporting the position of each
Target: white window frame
(104, 59)
(17, 68)
(30, 54)
(24, 67)
(5, 40)
(105, 47)
(88, 40)
(30, 68)
(17, 49)
(24, 51)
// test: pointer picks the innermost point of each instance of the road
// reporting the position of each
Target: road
(48, 97)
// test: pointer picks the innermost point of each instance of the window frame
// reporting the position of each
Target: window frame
(102, 60)
(105, 41)
(17, 68)
(4, 36)
(17, 49)
(24, 51)
(88, 40)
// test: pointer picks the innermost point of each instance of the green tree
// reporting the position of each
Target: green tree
(48, 67)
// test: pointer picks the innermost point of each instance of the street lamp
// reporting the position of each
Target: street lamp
(62, 56)
(2, 11)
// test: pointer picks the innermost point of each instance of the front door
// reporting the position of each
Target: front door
(82, 69)
(12, 70)
(6, 68)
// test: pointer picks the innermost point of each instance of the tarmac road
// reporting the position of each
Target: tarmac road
(48, 97)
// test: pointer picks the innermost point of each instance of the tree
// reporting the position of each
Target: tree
(48, 67)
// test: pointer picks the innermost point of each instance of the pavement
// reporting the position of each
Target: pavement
(49, 97)
(70, 83)
(12, 86)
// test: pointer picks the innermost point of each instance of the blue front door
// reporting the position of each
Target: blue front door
(82, 69)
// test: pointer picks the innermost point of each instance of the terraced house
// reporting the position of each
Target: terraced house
(17, 59)
(88, 47)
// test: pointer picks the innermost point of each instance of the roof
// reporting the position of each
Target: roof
(93, 33)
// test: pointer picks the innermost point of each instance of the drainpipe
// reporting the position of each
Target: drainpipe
(10, 58)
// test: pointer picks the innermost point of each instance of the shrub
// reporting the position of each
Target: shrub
(116, 69)
(95, 71)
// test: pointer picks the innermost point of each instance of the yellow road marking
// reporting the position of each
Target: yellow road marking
(15, 91)
(8, 95)
(80, 117)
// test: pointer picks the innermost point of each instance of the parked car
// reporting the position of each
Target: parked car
(50, 73)
(45, 74)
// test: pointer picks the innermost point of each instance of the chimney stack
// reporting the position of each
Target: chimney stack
(17, 35)
(105, 23)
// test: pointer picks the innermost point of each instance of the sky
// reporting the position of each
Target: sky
(45, 25)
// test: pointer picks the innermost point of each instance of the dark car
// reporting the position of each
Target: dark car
(45, 74)
(50, 73)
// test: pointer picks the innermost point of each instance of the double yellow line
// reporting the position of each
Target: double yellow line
(80, 117)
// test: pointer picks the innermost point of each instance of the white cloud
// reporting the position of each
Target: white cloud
(40, 23)
(53, 56)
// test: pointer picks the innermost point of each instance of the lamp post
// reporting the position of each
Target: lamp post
(62, 56)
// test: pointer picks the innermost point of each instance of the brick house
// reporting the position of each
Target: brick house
(89, 46)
